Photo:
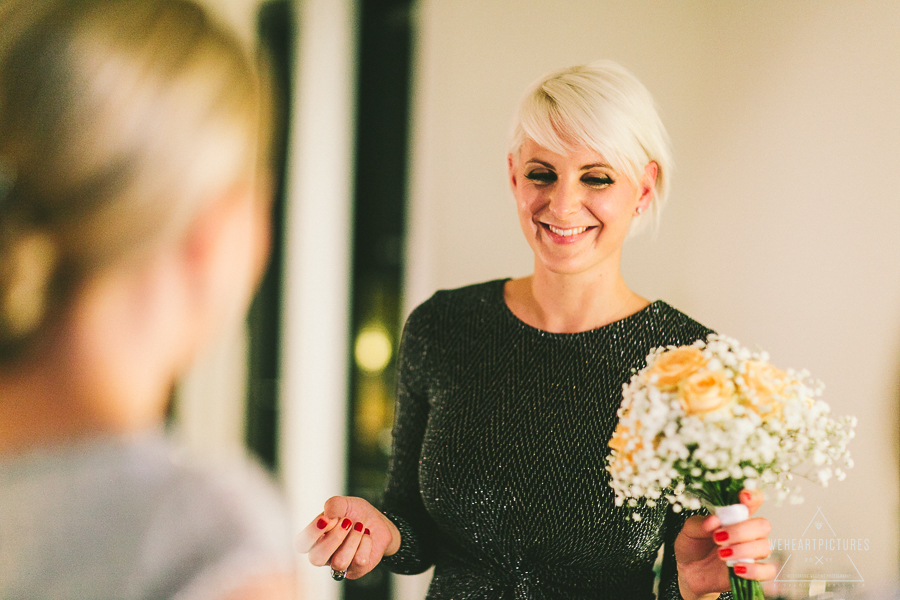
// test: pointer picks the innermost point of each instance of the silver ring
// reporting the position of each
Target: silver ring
(338, 575)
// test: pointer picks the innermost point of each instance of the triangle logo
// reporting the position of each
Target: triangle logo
(819, 554)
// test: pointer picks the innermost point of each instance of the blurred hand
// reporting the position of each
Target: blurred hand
(704, 545)
(350, 534)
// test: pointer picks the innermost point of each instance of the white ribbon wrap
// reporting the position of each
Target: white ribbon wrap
(734, 513)
(730, 515)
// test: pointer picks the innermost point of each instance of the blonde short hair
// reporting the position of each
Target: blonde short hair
(600, 106)
(119, 119)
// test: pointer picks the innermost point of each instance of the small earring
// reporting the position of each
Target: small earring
(640, 209)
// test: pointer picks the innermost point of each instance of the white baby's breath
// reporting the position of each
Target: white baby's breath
(707, 420)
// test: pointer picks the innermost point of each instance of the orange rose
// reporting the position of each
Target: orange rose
(705, 392)
(620, 438)
(768, 385)
(674, 366)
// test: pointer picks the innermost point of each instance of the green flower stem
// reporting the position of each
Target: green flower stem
(720, 493)
(745, 589)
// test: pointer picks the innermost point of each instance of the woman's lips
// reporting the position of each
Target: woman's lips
(566, 236)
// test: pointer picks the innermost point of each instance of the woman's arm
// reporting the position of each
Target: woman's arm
(402, 500)
(353, 536)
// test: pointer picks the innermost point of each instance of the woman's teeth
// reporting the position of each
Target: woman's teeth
(566, 232)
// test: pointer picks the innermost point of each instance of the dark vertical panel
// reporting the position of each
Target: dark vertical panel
(379, 213)
(276, 32)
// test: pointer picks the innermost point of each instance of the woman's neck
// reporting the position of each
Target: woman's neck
(570, 303)
(91, 376)
(53, 403)
(37, 411)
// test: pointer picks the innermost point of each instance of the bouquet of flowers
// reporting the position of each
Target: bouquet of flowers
(702, 422)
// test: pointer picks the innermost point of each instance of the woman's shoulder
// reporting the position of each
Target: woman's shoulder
(225, 517)
(157, 511)
(454, 304)
(237, 496)
(671, 326)
(475, 294)
(453, 318)
(229, 512)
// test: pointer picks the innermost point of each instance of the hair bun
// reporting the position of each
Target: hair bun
(30, 264)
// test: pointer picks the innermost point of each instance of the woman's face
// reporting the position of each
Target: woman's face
(575, 209)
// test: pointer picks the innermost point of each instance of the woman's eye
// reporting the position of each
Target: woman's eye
(542, 177)
(597, 181)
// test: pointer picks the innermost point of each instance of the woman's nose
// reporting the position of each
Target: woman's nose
(565, 200)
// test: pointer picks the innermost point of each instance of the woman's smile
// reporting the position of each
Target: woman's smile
(564, 235)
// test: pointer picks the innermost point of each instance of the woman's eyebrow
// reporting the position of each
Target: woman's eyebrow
(540, 162)
(584, 168)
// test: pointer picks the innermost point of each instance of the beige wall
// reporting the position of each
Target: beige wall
(783, 227)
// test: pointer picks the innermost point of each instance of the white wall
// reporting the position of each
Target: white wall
(316, 303)
(783, 227)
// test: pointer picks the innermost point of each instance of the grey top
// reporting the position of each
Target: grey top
(131, 519)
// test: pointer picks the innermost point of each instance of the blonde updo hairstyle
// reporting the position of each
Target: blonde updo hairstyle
(119, 120)
(603, 107)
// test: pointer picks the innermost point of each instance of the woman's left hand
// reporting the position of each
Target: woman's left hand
(704, 545)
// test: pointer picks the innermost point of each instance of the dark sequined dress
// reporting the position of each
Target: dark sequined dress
(500, 441)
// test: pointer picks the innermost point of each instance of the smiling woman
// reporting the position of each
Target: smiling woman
(508, 390)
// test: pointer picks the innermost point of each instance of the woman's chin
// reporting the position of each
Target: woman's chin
(565, 267)
(567, 263)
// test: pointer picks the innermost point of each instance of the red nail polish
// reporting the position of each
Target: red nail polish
(740, 569)
(368, 532)
(358, 527)
(321, 523)
(346, 524)
(721, 536)
(725, 552)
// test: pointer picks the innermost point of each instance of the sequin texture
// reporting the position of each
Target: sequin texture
(498, 469)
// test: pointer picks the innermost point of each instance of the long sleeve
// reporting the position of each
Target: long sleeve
(402, 500)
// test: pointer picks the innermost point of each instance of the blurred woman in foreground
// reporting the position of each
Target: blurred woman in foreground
(133, 228)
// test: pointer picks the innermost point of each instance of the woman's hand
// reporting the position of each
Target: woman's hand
(703, 546)
(350, 534)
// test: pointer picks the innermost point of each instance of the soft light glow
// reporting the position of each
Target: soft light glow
(373, 349)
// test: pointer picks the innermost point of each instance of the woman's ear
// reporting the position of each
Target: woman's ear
(224, 254)
(511, 166)
(647, 187)
(204, 238)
